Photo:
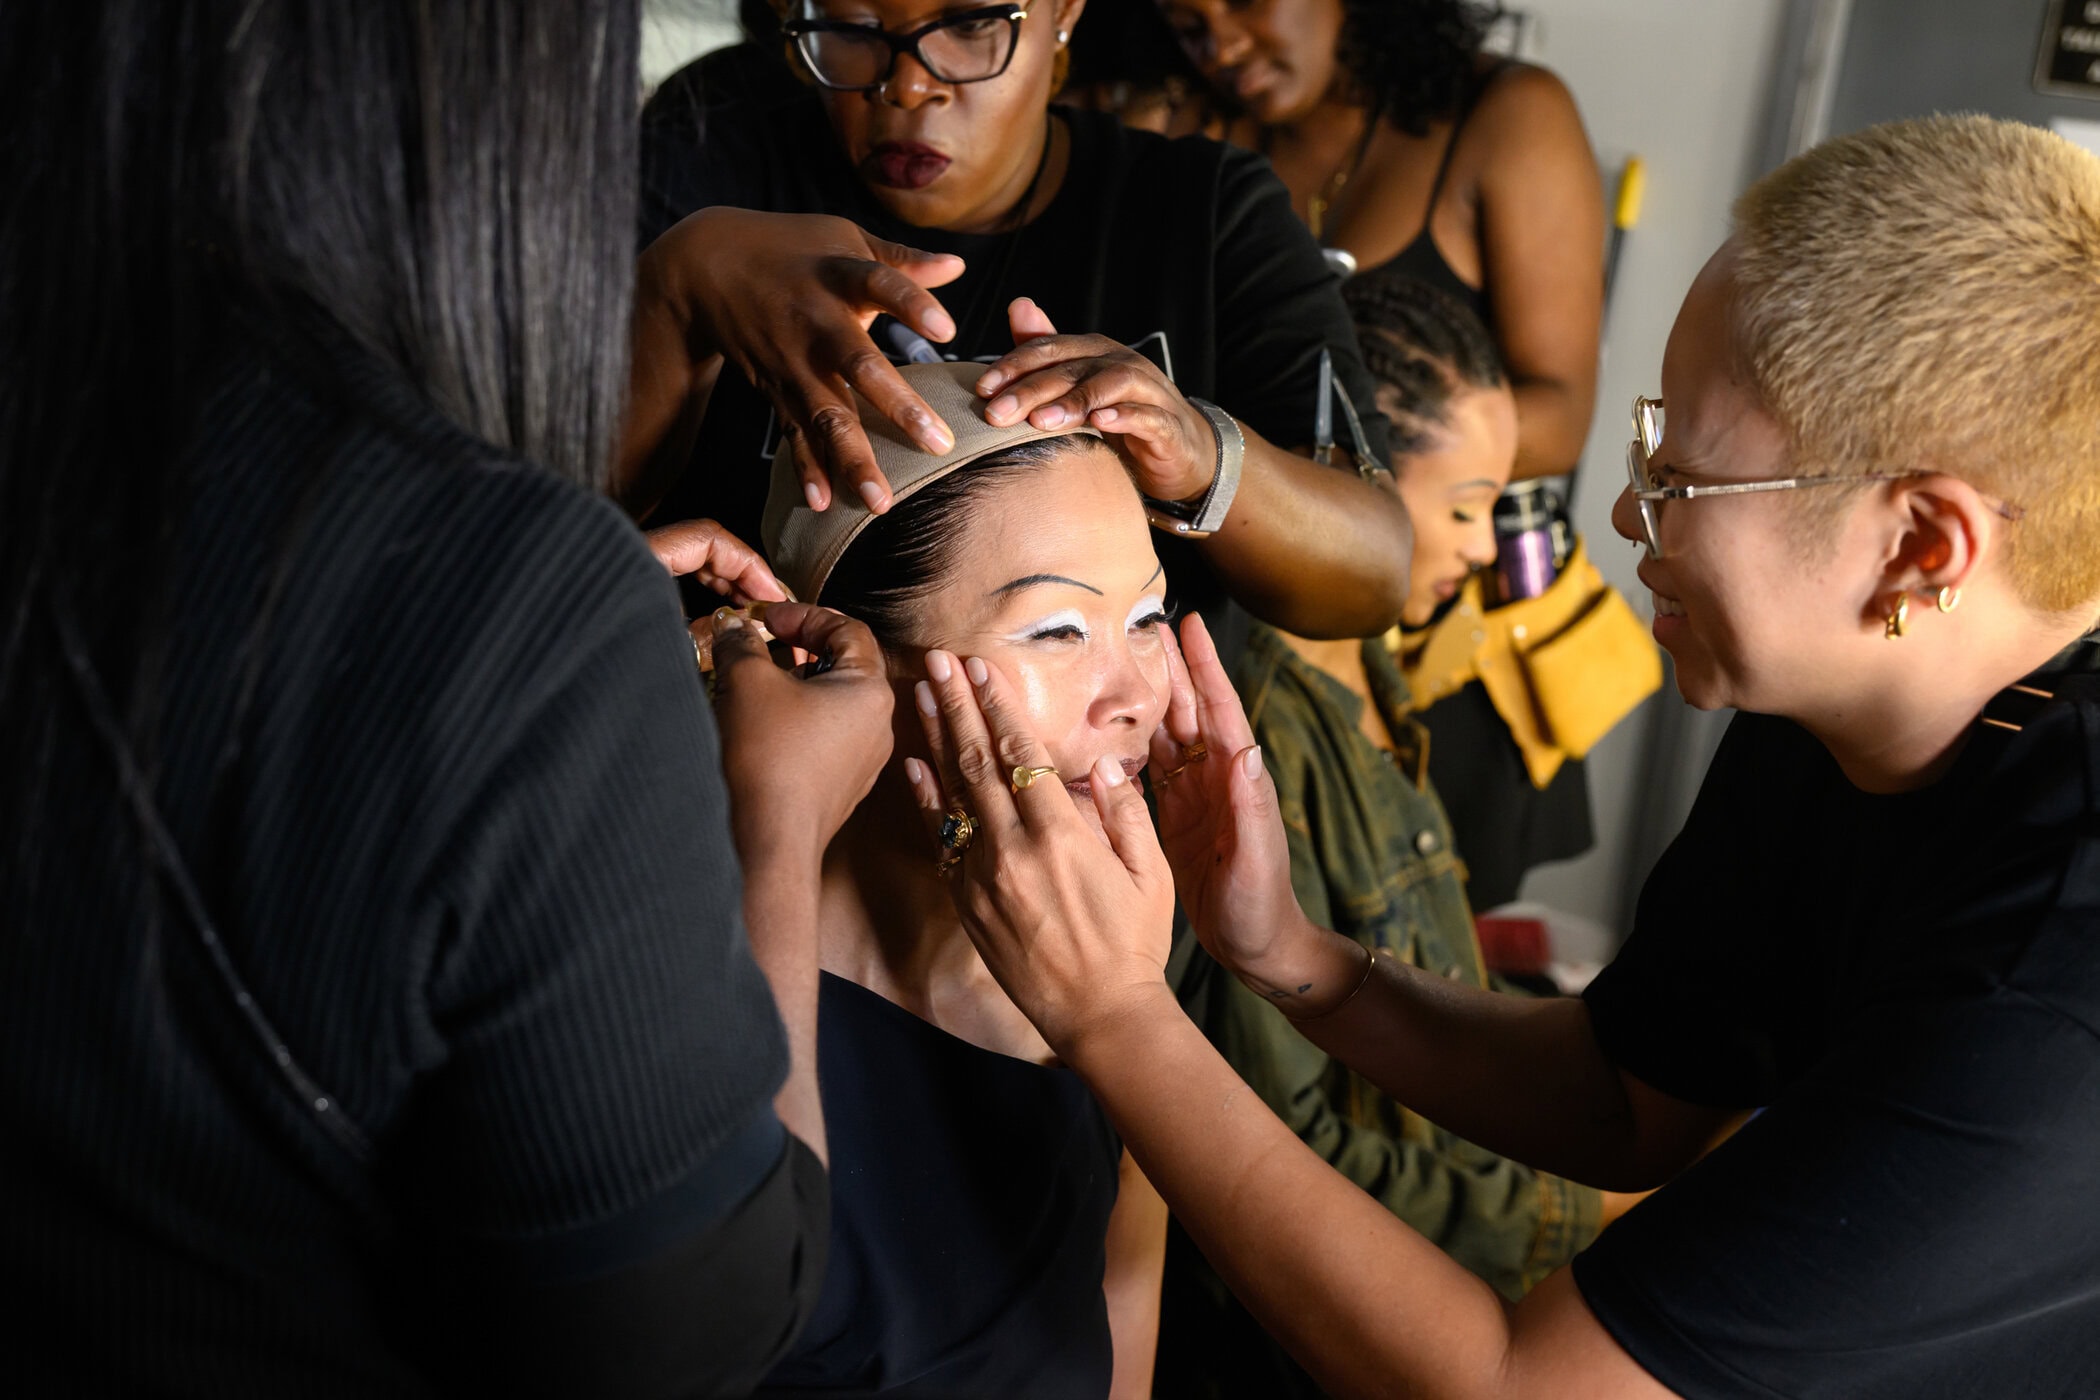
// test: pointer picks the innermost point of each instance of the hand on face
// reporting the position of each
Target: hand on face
(799, 752)
(1057, 380)
(788, 298)
(1075, 928)
(1218, 816)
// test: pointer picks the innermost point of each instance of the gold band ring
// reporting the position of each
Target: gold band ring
(1024, 776)
(1194, 753)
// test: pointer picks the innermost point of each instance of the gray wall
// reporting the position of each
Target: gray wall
(1911, 58)
(1687, 85)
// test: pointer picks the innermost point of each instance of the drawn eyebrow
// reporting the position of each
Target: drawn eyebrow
(1157, 570)
(1033, 579)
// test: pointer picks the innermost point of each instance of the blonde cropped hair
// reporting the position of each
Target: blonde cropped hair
(1925, 296)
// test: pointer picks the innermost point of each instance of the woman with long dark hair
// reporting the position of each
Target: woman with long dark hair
(378, 1006)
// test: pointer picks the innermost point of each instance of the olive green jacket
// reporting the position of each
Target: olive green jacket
(1371, 857)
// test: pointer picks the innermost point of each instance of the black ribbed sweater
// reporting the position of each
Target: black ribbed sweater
(467, 846)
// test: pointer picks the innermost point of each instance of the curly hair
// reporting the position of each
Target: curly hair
(1412, 60)
(1423, 348)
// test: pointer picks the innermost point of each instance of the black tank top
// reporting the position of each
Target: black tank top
(1421, 259)
(970, 1196)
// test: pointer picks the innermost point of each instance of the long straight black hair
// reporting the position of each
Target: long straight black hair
(449, 182)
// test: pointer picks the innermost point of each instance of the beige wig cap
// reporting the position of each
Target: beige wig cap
(804, 546)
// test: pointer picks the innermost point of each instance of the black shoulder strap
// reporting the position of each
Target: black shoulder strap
(1436, 188)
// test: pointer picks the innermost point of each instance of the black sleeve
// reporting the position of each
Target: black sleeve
(1914, 1219)
(602, 1047)
(1277, 305)
(708, 1314)
(1706, 1001)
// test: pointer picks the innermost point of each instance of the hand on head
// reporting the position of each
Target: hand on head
(788, 298)
(1056, 380)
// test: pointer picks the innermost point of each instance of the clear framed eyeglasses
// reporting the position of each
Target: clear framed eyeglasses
(1648, 496)
(968, 46)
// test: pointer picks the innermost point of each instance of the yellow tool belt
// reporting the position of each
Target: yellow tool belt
(1561, 668)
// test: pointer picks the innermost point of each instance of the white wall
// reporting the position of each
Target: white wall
(1687, 85)
(675, 32)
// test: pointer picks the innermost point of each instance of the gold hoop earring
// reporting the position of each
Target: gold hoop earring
(1899, 618)
(1949, 598)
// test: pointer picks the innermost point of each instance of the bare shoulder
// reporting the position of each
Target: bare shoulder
(1524, 94)
(1527, 127)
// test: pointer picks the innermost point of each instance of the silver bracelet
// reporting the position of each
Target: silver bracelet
(1209, 514)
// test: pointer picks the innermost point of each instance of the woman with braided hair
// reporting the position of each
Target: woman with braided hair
(1372, 856)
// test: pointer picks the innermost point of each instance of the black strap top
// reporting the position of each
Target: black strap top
(1421, 259)
(970, 1196)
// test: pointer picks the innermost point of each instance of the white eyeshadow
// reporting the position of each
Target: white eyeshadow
(1068, 617)
(1145, 607)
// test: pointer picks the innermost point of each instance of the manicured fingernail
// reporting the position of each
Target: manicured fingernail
(922, 696)
(938, 325)
(809, 493)
(1104, 415)
(975, 668)
(728, 621)
(873, 495)
(989, 384)
(1051, 417)
(1250, 762)
(914, 771)
(1109, 773)
(1002, 408)
(933, 435)
(937, 666)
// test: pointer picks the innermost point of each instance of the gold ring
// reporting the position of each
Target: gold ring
(957, 831)
(1024, 777)
(1194, 753)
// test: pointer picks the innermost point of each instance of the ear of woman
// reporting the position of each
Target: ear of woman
(1940, 533)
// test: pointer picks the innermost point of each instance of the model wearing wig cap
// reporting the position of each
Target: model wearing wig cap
(989, 1235)
(1867, 499)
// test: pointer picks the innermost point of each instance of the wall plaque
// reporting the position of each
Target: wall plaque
(2069, 63)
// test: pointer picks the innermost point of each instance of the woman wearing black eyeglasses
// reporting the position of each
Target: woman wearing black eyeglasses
(929, 121)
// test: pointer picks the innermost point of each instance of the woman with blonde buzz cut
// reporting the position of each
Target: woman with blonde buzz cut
(1870, 503)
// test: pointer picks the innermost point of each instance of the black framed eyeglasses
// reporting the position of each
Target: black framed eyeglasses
(968, 46)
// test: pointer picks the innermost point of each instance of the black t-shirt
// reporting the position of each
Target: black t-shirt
(1185, 249)
(1911, 983)
(501, 932)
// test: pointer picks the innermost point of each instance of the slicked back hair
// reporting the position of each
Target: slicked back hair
(1925, 296)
